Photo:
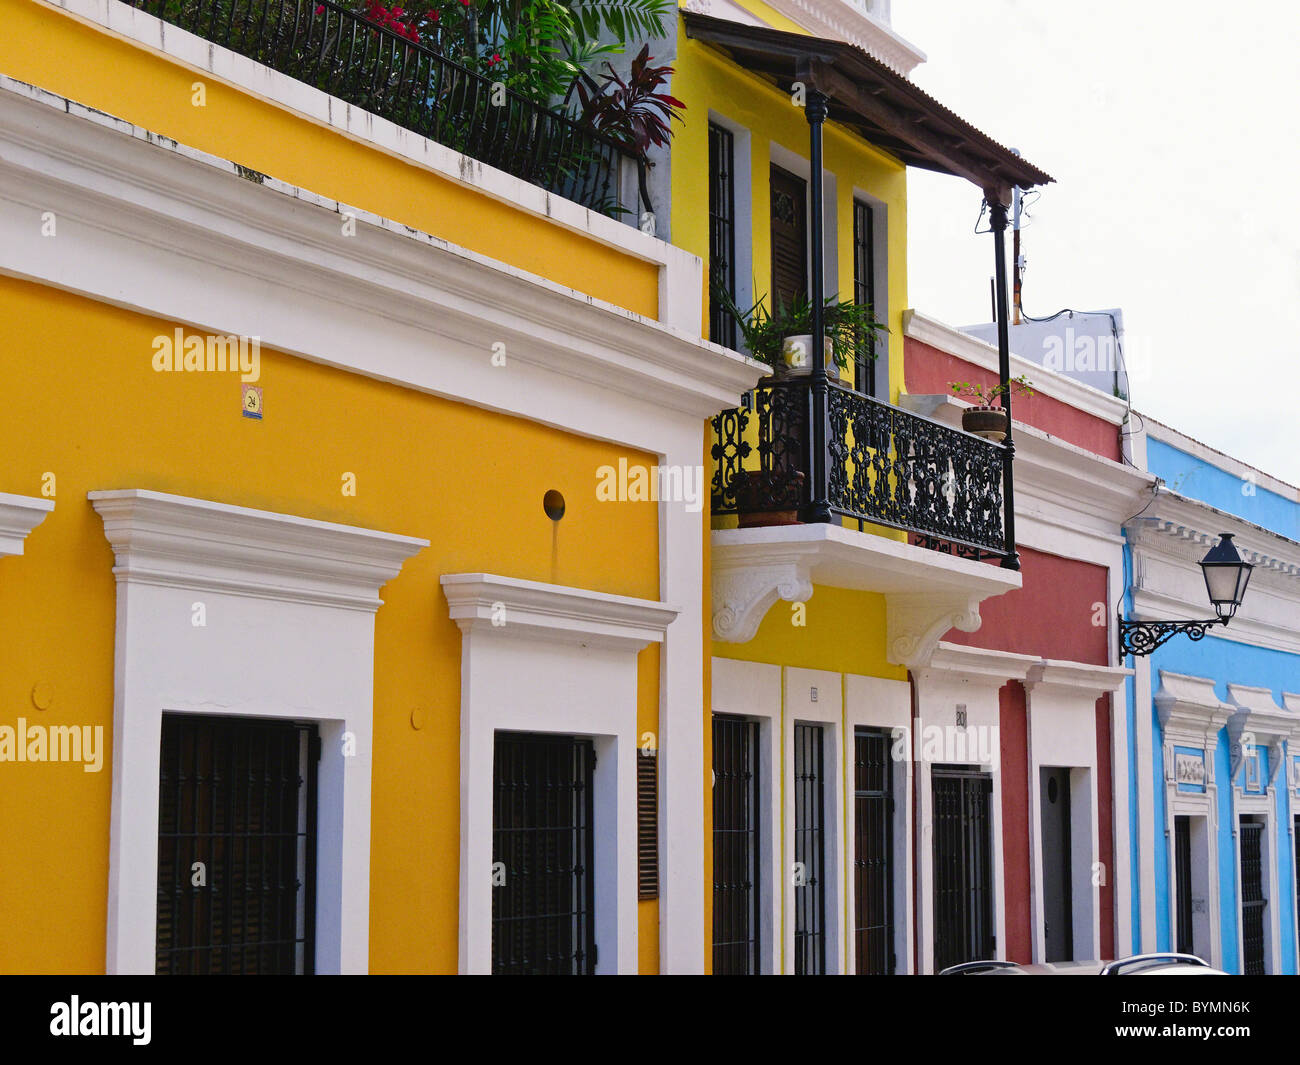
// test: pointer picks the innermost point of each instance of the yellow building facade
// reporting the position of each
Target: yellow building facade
(348, 533)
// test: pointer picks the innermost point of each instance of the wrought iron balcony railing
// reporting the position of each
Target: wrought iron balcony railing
(885, 466)
(340, 52)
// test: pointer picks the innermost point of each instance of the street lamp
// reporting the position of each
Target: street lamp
(1226, 577)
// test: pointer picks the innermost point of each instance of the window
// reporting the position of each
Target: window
(736, 894)
(809, 851)
(647, 824)
(722, 232)
(864, 290)
(1253, 902)
(236, 846)
(873, 849)
(542, 855)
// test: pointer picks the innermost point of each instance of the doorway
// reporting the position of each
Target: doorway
(1058, 900)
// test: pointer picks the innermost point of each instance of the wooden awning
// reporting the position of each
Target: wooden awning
(876, 101)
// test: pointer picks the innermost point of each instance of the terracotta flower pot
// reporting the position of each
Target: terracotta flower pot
(988, 422)
(769, 497)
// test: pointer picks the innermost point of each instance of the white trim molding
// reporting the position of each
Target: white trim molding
(756, 690)
(286, 631)
(1258, 720)
(957, 694)
(126, 197)
(1192, 716)
(19, 515)
(876, 703)
(927, 593)
(547, 658)
(554, 612)
(1061, 707)
(852, 22)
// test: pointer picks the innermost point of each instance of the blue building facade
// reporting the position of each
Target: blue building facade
(1214, 724)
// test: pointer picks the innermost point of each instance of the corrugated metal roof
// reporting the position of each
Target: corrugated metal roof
(864, 93)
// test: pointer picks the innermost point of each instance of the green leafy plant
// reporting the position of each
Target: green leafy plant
(986, 394)
(850, 327)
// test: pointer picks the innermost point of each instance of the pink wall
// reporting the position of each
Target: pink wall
(1051, 615)
(927, 370)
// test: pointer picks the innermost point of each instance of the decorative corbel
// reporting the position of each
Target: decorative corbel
(743, 594)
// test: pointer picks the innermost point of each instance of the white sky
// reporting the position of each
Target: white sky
(1172, 132)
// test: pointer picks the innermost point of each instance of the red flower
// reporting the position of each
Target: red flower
(496, 58)
(320, 9)
(465, 2)
(432, 16)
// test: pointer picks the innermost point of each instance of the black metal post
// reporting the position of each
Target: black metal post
(998, 210)
(818, 416)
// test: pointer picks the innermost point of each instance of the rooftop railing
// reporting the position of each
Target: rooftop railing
(342, 53)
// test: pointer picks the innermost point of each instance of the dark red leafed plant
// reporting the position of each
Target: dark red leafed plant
(633, 112)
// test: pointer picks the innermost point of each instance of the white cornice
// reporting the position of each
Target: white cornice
(124, 196)
(1190, 709)
(221, 64)
(175, 541)
(1259, 721)
(1169, 540)
(1082, 397)
(19, 515)
(979, 664)
(927, 593)
(1095, 681)
(1176, 518)
(508, 606)
(842, 20)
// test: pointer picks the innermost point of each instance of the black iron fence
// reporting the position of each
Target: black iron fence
(886, 466)
(342, 53)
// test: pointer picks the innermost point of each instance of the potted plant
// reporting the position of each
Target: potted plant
(983, 418)
(783, 338)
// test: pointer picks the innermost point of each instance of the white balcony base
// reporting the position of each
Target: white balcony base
(926, 592)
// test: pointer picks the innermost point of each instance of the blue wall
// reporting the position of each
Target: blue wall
(1198, 479)
(1225, 662)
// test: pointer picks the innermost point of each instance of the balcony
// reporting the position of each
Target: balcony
(413, 85)
(884, 466)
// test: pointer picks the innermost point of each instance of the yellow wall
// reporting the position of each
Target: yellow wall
(706, 81)
(843, 631)
(85, 405)
(42, 46)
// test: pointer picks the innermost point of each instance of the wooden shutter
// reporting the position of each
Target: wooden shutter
(789, 237)
(647, 824)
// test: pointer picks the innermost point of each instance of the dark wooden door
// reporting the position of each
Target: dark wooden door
(789, 237)
(1054, 816)
(1253, 902)
(963, 866)
(736, 891)
(873, 851)
(1183, 882)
